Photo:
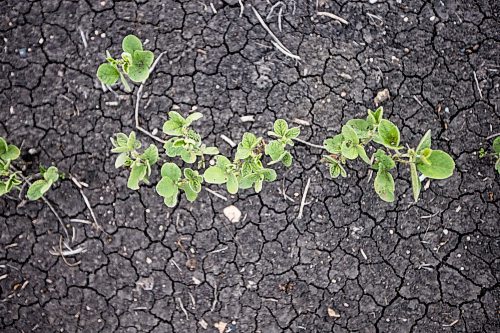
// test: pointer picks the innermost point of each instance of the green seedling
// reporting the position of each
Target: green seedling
(11, 179)
(185, 142)
(172, 182)
(495, 154)
(139, 163)
(135, 63)
(276, 149)
(350, 144)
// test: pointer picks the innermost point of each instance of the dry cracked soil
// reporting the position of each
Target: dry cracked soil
(377, 267)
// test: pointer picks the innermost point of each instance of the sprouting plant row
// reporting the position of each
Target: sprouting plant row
(11, 178)
(247, 168)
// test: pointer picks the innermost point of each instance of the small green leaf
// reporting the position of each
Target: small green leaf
(415, 181)
(174, 125)
(215, 175)
(389, 134)
(108, 74)
(131, 141)
(360, 126)
(172, 171)
(497, 165)
(496, 145)
(12, 153)
(425, 142)
(384, 185)
(222, 162)
(269, 175)
(334, 145)
(258, 186)
(350, 134)
(280, 127)
(287, 159)
(249, 141)
(210, 150)
(131, 43)
(138, 73)
(188, 156)
(242, 153)
(121, 140)
(121, 160)
(195, 185)
(170, 150)
(171, 201)
(362, 153)
(190, 194)
(193, 117)
(51, 175)
(137, 174)
(248, 181)
(38, 189)
(166, 187)
(383, 161)
(274, 149)
(151, 154)
(349, 150)
(441, 165)
(3, 146)
(232, 184)
(292, 133)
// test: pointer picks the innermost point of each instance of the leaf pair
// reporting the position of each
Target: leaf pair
(276, 149)
(140, 164)
(171, 182)
(8, 152)
(39, 187)
(223, 172)
(135, 63)
(185, 143)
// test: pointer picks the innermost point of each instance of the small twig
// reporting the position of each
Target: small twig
(63, 254)
(214, 303)
(182, 307)
(303, 201)
(242, 7)
(84, 39)
(215, 193)
(175, 264)
(493, 136)
(219, 250)
(477, 85)
(333, 16)
(373, 16)
(272, 8)
(279, 18)
(277, 41)
(430, 216)
(228, 140)
(451, 324)
(418, 101)
(370, 171)
(87, 202)
(308, 143)
(80, 221)
(193, 301)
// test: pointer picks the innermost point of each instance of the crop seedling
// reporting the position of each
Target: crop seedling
(11, 179)
(135, 64)
(245, 171)
(495, 154)
(356, 134)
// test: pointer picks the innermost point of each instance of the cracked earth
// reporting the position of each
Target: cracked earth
(426, 267)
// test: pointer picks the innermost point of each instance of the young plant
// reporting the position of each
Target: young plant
(350, 144)
(11, 179)
(276, 149)
(135, 64)
(172, 182)
(495, 154)
(185, 142)
(139, 163)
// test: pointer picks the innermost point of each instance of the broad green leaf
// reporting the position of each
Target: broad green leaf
(274, 149)
(143, 59)
(415, 181)
(378, 114)
(258, 186)
(172, 171)
(11, 154)
(190, 194)
(131, 43)
(242, 153)
(137, 174)
(121, 140)
(334, 145)
(425, 142)
(292, 133)
(280, 127)
(334, 170)
(269, 175)
(287, 159)
(441, 165)
(190, 174)
(389, 134)
(51, 175)
(360, 126)
(215, 175)
(362, 153)
(3, 146)
(384, 185)
(131, 141)
(188, 156)
(151, 154)
(166, 187)
(138, 73)
(170, 150)
(496, 145)
(349, 150)
(222, 162)
(249, 141)
(108, 74)
(232, 184)
(350, 134)
(171, 201)
(121, 160)
(248, 181)
(210, 150)
(173, 126)
(195, 185)
(383, 161)
(193, 117)
(38, 189)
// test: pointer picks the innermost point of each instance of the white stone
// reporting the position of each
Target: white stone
(232, 213)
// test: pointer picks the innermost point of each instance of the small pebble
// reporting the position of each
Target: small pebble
(149, 261)
(41, 40)
(445, 231)
(22, 52)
